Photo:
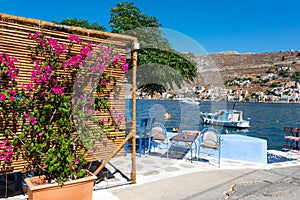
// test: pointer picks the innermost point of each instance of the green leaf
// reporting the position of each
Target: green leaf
(35, 127)
(42, 119)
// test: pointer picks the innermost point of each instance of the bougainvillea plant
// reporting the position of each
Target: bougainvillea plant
(53, 109)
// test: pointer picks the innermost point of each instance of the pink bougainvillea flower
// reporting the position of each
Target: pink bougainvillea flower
(60, 48)
(12, 74)
(102, 68)
(12, 92)
(74, 38)
(36, 64)
(29, 87)
(120, 59)
(41, 134)
(107, 51)
(73, 100)
(52, 42)
(42, 42)
(95, 69)
(8, 159)
(47, 67)
(86, 52)
(74, 61)
(70, 166)
(36, 35)
(76, 162)
(12, 98)
(57, 90)
(43, 95)
(26, 115)
(102, 120)
(4, 142)
(2, 96)
(8, 147)
(88, 111)
(124, 67)
(32, 120)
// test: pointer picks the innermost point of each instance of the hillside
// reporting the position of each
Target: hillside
(232, 65)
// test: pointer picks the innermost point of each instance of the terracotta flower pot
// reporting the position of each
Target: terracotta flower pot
(80, 189)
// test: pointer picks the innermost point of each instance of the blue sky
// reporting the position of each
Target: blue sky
(215, 26)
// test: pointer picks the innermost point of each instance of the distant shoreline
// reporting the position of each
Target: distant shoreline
(221, 101)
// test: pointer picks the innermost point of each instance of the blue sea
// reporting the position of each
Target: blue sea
(267, 119)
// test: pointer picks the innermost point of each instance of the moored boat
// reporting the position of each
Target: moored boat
(228, 118)
(190, 101)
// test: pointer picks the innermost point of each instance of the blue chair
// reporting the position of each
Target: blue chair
(142, 139)
(158, 137)
(16, 176)
(210, 144)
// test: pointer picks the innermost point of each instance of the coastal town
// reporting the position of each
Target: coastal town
(265, 77)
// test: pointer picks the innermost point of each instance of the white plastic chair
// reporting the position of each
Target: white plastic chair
(158, 135)
(210, 141)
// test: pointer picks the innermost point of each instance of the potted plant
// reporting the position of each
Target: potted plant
(54, 108)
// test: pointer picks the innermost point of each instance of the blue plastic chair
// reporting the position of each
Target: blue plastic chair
(142, 139)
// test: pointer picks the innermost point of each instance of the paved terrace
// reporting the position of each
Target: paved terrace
(162, 178)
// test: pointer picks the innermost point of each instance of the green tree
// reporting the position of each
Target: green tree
(155, 51)
(80, 23)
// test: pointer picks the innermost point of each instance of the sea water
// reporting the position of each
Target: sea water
(267, 119)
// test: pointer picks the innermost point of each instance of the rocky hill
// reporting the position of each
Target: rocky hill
(230, 65)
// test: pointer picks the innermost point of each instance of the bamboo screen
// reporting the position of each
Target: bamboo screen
(14, 41)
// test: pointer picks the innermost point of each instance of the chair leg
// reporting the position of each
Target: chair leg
(140, 146)
(149, 144)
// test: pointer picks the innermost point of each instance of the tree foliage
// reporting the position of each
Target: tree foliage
(81, 23)
(126, 16)
(155, 51)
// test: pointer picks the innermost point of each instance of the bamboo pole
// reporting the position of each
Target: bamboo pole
(103, 163)
(132, 133)
(133, 155)
(42, 24)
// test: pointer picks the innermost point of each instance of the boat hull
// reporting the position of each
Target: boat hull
(214, 119)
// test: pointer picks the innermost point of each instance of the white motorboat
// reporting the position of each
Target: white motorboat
(228, 118)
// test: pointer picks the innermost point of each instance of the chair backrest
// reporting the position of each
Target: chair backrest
(295, 130)
(152, 121)
(159, 131)
(210, 138)
(143, 126)
(287, 129)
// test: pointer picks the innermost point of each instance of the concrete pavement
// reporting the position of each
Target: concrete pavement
(180, 179)
(277, 183)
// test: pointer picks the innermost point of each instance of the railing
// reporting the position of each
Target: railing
(291, 136)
